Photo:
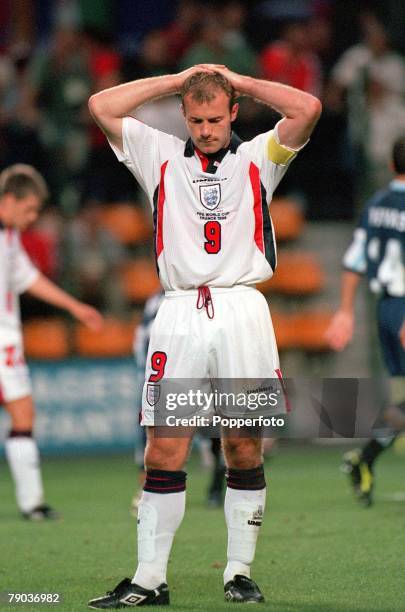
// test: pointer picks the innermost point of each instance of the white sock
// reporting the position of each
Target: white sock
(241, 508)
(159, 516)
(23, 458)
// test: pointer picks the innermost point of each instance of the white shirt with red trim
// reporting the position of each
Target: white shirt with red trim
(17, 274)
(211, 217)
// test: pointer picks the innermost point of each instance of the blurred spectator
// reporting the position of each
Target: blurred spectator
(102, 181)
(372, 55)
(19, 118)
(104, 62)
(370, 78)
(42, 243)
(218, 45)
(320, 37)
(92, 259)
(60, 86)
(385, 120)
(180, 34)
(291, 60)
(268, 17)
(233, 16)
(105, 182)
(7, 80)
(164, 114)
(153, 58)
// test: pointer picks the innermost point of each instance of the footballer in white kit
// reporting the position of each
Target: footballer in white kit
(22, 191)
(17, 274)
(213, 241)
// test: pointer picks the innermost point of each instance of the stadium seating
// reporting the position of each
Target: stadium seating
(302, 331)
(46, 339)
(284, 331)
(297, 273)
(309, 329)
(114, 340)
(288, 219)
(127, 222)
(139, 280)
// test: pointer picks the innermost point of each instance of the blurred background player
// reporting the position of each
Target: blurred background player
(22, 192)
(378, 249)
(211, 457)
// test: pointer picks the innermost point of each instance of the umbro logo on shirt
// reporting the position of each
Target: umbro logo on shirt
(210, 180)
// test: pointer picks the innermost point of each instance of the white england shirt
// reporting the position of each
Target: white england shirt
(17, 274)
(211, 217)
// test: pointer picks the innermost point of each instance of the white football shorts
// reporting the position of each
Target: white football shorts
(15, 380)
(238, 342)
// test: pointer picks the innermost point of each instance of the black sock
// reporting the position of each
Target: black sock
(373, 449)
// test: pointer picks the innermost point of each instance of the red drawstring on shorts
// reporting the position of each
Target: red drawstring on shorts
(204, 300)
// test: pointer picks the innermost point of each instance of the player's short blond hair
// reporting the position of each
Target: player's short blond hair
(22, 180)
(204, 86)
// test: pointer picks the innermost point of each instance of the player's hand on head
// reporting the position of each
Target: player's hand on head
(185, 74)
(235, 79)
(211, 67)
(88, 315)
(340, 330)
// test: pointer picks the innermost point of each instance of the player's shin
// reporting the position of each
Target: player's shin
(23, 458)
(160, 513)
(244, 507)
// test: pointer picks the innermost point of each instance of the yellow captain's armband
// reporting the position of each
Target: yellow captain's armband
(277, 153)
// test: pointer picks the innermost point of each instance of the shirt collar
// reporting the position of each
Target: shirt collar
(234, 143)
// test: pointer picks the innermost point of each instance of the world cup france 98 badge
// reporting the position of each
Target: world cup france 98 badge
(210, 195)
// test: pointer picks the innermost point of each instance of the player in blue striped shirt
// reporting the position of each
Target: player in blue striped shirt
(378, 250)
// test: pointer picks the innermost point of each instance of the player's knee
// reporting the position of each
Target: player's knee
(243, 453)
(165, 455)
(22, 414)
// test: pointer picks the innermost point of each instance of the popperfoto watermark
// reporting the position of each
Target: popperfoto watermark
(306, 408)
(231, 423)
(214, 404)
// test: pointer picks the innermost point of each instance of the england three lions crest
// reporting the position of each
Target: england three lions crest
(210, 195)
(152, 394)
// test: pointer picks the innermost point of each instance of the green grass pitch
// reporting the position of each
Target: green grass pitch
(318, 550)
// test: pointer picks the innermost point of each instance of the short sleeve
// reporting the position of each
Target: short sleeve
(24, 273)
(355, 257)
(144, 151)
(271, 157)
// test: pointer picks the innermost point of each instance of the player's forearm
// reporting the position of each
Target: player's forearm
(118, 102)
(286, 100)
(350, 282)
(45, 290)
(301, 110)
